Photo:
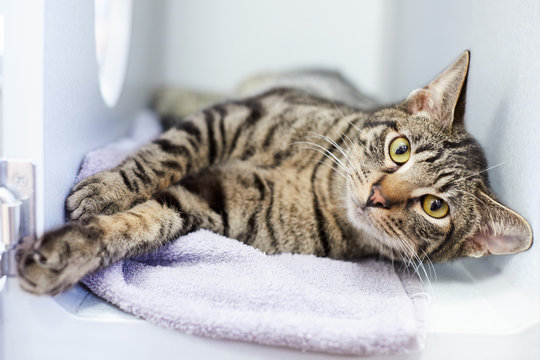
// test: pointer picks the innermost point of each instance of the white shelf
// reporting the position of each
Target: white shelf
(474, 312)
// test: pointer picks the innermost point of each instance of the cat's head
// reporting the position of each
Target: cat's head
(421, 186)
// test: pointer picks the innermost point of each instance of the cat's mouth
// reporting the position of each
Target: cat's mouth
(368, 195)
(374, 200)
(358, 206)
(360, 215)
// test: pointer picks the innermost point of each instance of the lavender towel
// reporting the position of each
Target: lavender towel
(209, 285)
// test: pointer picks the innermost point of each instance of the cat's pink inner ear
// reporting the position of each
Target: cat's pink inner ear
(419, 100)
(502, 231)
(440, 98)
(503, 244)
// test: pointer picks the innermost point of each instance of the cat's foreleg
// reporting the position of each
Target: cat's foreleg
(62, 257)
(193, 145)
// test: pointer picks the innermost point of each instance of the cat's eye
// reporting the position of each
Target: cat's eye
(434, 206)
(400, 150)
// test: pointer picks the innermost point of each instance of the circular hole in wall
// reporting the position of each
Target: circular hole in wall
(112, 26)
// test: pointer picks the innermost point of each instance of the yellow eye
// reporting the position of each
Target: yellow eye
(400, 150)
(434, 206)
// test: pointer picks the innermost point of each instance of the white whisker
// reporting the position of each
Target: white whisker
(412, 259)
(478, 173)
(330, 166)
(326, 153)
(471, 194)
(337, 108)
(336, 145)
(430, 264)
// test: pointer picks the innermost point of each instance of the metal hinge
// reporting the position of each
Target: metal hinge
(17, 210)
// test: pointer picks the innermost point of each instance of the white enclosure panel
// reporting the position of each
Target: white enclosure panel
(76, 120)
(214, 44)
(22, 89)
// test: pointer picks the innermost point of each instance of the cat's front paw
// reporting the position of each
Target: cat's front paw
(60, 259)
(103, 193)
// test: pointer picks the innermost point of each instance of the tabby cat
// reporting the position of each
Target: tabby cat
(286, 171)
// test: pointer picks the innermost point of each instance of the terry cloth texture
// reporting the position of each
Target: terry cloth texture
(209, 285)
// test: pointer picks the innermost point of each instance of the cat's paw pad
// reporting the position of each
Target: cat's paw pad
(103, 193)
(59, 260)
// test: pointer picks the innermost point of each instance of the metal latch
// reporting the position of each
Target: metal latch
(17, 210)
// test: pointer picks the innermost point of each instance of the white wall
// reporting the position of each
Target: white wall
(22, 88)
(503, 94)
(214, 44)
(76, 119)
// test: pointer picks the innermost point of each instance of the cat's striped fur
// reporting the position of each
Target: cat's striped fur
(285, 171)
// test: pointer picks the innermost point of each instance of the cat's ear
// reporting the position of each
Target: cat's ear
(502, 231)
(444, 98)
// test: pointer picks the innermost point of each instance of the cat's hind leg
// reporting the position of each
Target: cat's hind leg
(62, 257)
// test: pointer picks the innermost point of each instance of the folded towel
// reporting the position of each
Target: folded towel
(209, 285)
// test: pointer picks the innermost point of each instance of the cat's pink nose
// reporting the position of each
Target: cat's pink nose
(376, 198)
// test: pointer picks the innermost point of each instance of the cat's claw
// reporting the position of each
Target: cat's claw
(103, 193)
(59, 260)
